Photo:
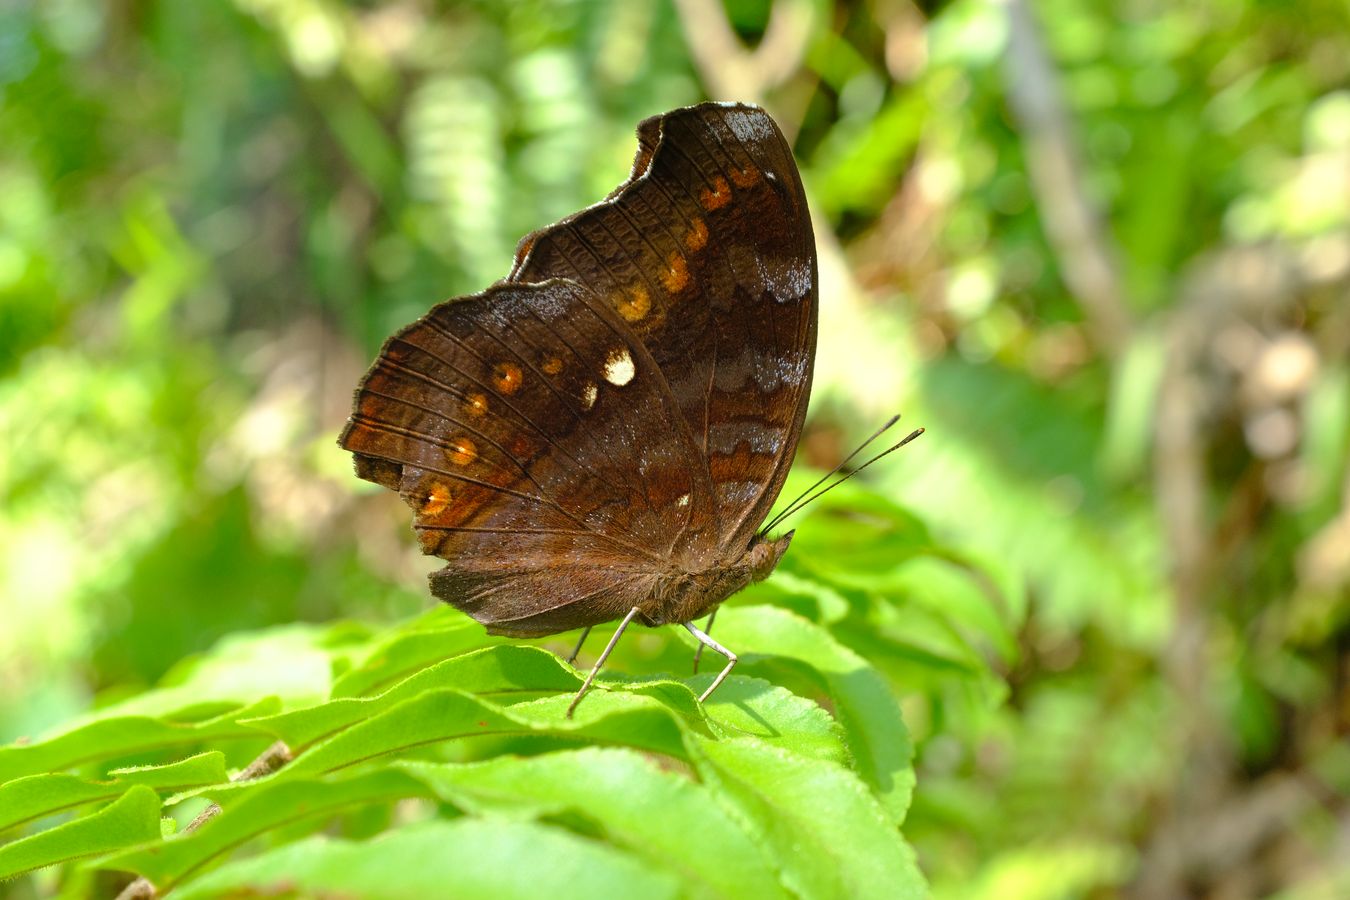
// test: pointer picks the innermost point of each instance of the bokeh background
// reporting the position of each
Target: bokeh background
(1101, 250)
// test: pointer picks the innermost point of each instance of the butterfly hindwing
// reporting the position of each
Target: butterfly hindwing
(505, 421)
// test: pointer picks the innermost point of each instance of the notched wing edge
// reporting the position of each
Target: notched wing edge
(650, 134)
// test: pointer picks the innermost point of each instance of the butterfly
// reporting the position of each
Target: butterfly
(599, 435)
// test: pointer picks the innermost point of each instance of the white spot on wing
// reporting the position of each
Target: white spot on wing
(755, 365)
(588, 395)
(788, 278)
(737, 493)
(619, 368)
(750, 125)
(760, 437)
(683, 500)
(791, 281)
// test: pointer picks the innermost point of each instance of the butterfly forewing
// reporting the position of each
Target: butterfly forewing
(707, 253)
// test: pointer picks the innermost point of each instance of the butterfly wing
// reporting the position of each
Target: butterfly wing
(624, 407)
(707, 254)
(545, 459)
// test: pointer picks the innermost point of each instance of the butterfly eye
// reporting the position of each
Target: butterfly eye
(506, 377)
(462, 451)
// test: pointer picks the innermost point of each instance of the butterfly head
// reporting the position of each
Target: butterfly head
(763, 555)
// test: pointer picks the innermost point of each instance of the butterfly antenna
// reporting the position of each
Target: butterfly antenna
(791, 507)
(802, 500)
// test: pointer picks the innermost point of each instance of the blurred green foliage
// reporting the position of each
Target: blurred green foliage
(1101, 250)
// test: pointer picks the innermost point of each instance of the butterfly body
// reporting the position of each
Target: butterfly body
(600, 434)
(684, 596)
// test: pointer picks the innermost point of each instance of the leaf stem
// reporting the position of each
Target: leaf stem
(267, 762)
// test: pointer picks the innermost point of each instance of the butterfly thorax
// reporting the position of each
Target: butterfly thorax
(685, 596)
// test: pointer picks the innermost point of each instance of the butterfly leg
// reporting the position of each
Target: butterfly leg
(709, 642)
(604, 655)
(577, 649)
(707, 627)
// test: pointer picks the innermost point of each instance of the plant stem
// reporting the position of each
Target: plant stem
(267, 762)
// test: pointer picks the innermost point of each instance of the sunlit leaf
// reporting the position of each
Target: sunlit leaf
(663, 816)
(258, 809)
(863, 704)
(830, 835)
(491, 670)
(121, 736)
(34, 796)
(468, 858)
(131, 819)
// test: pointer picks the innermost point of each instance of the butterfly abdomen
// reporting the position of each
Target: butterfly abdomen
(691, 595)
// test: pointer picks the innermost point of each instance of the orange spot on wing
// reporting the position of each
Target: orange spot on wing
(521, 446)
(551, 365)
(676, 274)
(716, 197)
(744, 177)
(635, 304)
(461, 451)
(476, 405)
(696, 238)
(438, 497)
(507, 377)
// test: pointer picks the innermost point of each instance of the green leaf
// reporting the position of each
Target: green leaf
(125, 735)
(263, 806)
(293, 662)
(204, 768)
(436, 636)
(492, 670)
(35, 796)
(652, 716)
(608, 716)
(822, 825)
(753, 707)
(465, 859)
(131, 819)
(949, 590)
(863, 704)
(671, 821)
(853, 535)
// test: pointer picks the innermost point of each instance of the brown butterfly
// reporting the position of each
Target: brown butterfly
(599, 435)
